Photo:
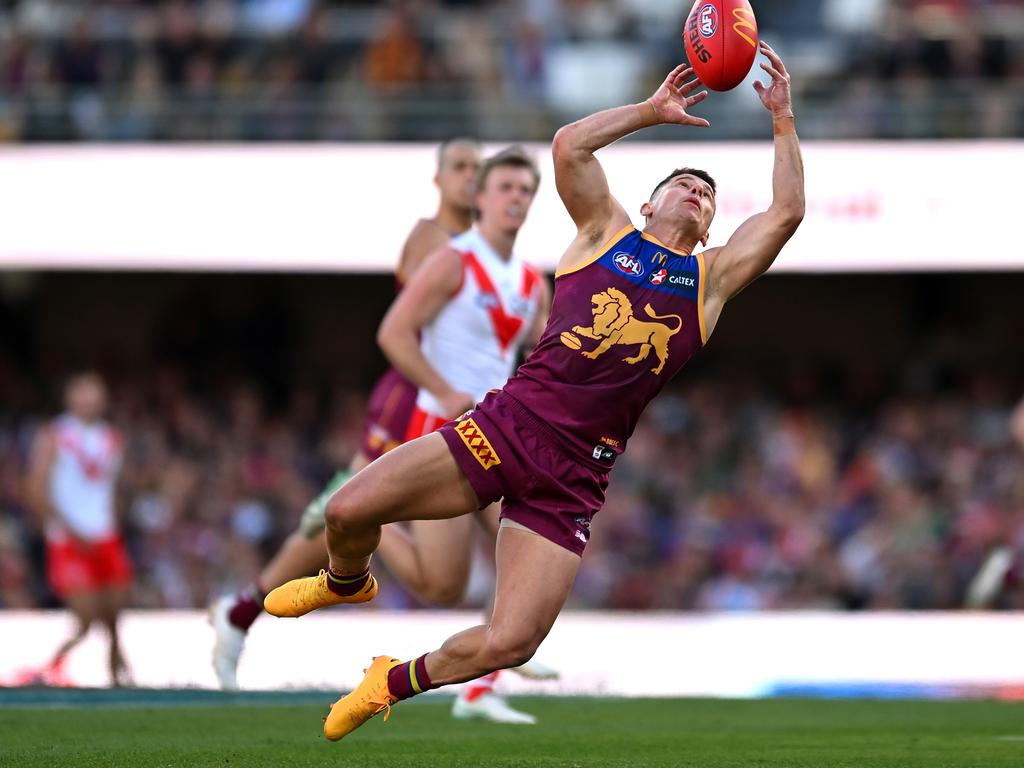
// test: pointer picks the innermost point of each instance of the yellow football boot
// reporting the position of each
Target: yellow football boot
(300, 596)
(371, 697)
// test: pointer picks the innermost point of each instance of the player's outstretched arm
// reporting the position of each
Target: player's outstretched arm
(579, 178)
(430, 288)
(755, 244)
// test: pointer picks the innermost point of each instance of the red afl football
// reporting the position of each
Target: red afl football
(720, 38)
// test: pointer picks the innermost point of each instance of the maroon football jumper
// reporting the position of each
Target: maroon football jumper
(622, 324)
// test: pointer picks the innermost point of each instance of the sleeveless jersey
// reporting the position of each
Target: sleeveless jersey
(82, 477)
(474, 341)
(621, 325)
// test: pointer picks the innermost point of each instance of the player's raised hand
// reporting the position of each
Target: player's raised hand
(672, 98)
(775, 96)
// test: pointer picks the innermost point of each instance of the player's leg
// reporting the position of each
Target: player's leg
(431, 558)
(303, 552)
(478, 698)
(419, 480)
(534, 578)
(84, 607)
(110, 603)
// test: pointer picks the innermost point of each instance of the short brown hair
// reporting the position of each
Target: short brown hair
(510, 157)
(702, 175)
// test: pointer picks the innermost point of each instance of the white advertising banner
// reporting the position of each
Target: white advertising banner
(872, 206)
(934, 655)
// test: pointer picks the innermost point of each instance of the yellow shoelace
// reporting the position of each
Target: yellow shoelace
(382, 706)
(310, 589)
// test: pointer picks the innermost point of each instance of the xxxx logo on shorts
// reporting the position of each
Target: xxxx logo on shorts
(478, 445)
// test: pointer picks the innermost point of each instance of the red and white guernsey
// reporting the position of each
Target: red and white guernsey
(475, 340)
(82, 478)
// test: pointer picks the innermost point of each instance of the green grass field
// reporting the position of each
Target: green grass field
(573, 732)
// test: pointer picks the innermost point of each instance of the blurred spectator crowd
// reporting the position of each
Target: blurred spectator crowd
(143, 70)
(729, 498)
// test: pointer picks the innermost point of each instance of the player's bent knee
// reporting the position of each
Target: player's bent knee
(505, 650)
(342, 511)
(443, 594)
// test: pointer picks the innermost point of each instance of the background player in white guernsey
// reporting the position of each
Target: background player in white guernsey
(72, 477)
(304, 551)
(486, 306)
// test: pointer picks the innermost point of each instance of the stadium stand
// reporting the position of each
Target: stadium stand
(870, 470)
(285, 70)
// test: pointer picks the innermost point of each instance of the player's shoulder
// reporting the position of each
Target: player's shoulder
(442, 265)
(426, 237)
(426, 234)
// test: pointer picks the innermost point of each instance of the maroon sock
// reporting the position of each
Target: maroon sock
(346, 585)
(248, 606)
(410, 678)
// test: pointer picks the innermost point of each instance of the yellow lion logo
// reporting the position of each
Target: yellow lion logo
(614, 323)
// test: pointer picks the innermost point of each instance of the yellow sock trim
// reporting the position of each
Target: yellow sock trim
(351, 580)
(412, 677)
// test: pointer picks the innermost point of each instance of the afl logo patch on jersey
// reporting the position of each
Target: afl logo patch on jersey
(487, 300)
(707, 20)
(628, 264)
(659, 277)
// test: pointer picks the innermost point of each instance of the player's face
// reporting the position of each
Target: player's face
(87, 398)
(506, 196)
(687, 198)
(456, 178)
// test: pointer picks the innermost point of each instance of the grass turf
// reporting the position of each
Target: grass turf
(572, 732)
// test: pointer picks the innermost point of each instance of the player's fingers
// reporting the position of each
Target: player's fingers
(776, 75)
(675, 72)
(690, 86)
(680, 79)
(696, 98)
(776, 61)
(700, 122)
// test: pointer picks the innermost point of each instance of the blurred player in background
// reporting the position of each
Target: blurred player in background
(1001, 570)
(630, 308)
(390, 407)
(71, 484)
(431, 561)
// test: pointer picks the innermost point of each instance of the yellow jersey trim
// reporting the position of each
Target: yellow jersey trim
(604, 249)
(700, 299)
(657, 242)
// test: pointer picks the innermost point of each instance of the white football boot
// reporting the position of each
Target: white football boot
(228, 643)
(490, 706)
(535, 670)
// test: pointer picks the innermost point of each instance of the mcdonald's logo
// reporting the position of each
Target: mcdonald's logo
(744, 21)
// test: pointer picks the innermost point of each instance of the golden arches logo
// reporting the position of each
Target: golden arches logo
(744, 20)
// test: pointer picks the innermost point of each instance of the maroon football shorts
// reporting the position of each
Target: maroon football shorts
(391, 406)
(507, 453)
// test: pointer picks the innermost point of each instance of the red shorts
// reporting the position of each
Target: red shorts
(423, 423)
(74, 567)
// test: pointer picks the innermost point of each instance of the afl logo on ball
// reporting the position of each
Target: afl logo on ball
(626, 262)
(659, 277)
(707, 20)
